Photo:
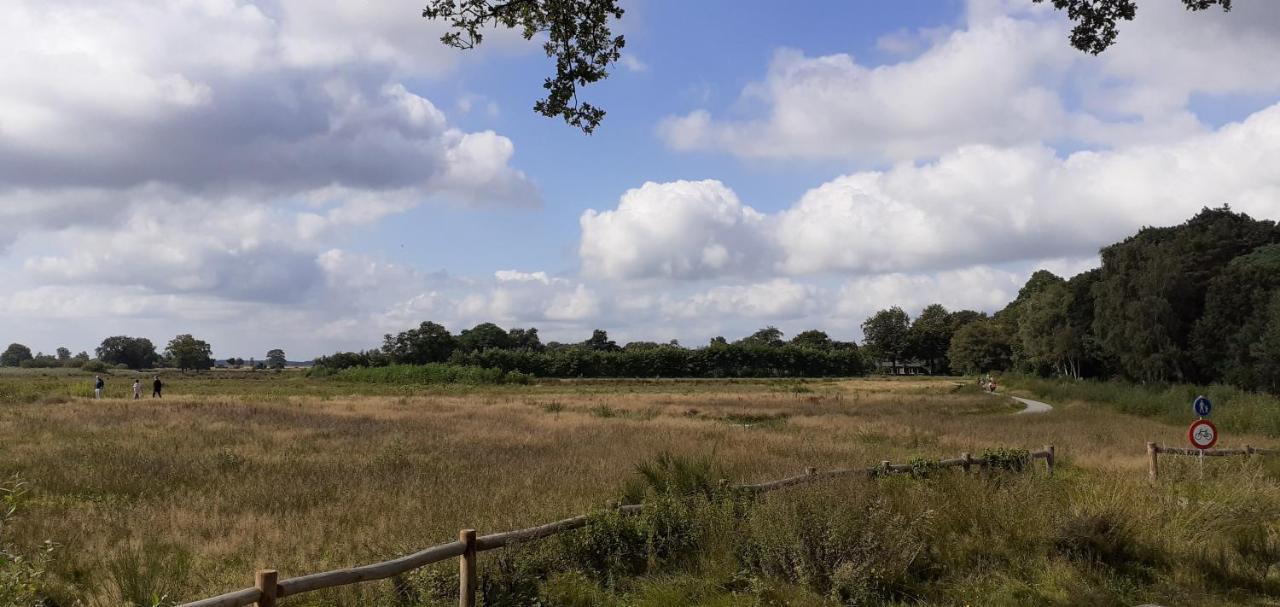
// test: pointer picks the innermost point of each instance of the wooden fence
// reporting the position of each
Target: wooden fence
(268, 588)
(1154, 451)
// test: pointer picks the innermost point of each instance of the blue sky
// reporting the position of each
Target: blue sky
(311, 174)
(695, 54)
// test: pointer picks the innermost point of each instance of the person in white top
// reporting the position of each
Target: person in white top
(137, 389)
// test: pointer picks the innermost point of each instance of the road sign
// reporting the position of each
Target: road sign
(1202, 406)
(1202, 434)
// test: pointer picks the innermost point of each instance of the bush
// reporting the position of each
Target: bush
(853, 548)
(94, 366)
(434, 373)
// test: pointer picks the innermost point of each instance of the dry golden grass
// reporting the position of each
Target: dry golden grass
(213, 487)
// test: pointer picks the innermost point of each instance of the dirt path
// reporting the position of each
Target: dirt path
(1032, 406)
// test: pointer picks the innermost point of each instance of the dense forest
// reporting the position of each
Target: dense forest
(1197, 302)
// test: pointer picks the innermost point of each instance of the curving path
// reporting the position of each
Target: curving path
(1032, 406)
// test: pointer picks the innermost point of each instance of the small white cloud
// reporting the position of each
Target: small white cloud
(633, 64)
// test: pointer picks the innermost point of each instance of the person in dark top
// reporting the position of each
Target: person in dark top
(156, 386)
(98, 386)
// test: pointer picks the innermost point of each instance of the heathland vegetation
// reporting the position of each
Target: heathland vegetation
(157, 502)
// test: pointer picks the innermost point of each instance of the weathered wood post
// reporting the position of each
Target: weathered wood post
(965, 461)
(265, 581)
(467, 569)
(1048, 459)
(1248, 451)
(1153, 465)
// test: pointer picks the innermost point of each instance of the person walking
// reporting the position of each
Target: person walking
(137, 389)
(155, 387)
(98, 386)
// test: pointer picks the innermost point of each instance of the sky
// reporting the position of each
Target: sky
(312, 174)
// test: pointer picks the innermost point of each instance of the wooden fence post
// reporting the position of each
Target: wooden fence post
(1153, 465)
(965, 460)
(467, 569)
(265, 581)
(1048, 460)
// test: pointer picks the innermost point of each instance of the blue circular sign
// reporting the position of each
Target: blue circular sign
(1202, 406)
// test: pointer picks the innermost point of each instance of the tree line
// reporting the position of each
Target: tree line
(764, 353)
(184, 352)
(1197, 302)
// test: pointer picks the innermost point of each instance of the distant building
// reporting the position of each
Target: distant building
(910, 367)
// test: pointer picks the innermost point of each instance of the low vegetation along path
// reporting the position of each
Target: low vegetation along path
(1032, 406)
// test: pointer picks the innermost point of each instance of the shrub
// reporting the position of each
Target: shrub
(1011, 460)
(673, 475)
(853, 548)
(94, 366)
(434, 373)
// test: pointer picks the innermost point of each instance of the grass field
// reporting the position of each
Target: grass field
(160, 501)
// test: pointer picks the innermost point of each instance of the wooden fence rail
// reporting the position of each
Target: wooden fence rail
(268, 588)
(1154, 450)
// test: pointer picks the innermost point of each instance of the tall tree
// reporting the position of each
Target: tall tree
(770, 336)
(813, 338)
(14, 355)
(525, 339)
(930, 336)
(1265, 351)
(484, 336)
(64, 354)
(429, 343)
(276, 359)
(1236, 312)
(188, 353)
(1152, 288)
(981, 346)
(133, 352)
(886, 336)
(600, 342)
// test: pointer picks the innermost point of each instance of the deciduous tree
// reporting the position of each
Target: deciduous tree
(14, 355)
(429, 343)
(188, 353)
(133, 352)
(885, 336)
(276, 359)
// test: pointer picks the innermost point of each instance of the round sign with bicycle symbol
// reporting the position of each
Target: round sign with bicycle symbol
(1202, 434)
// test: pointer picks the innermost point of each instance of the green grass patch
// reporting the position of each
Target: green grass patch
(1234, 410)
